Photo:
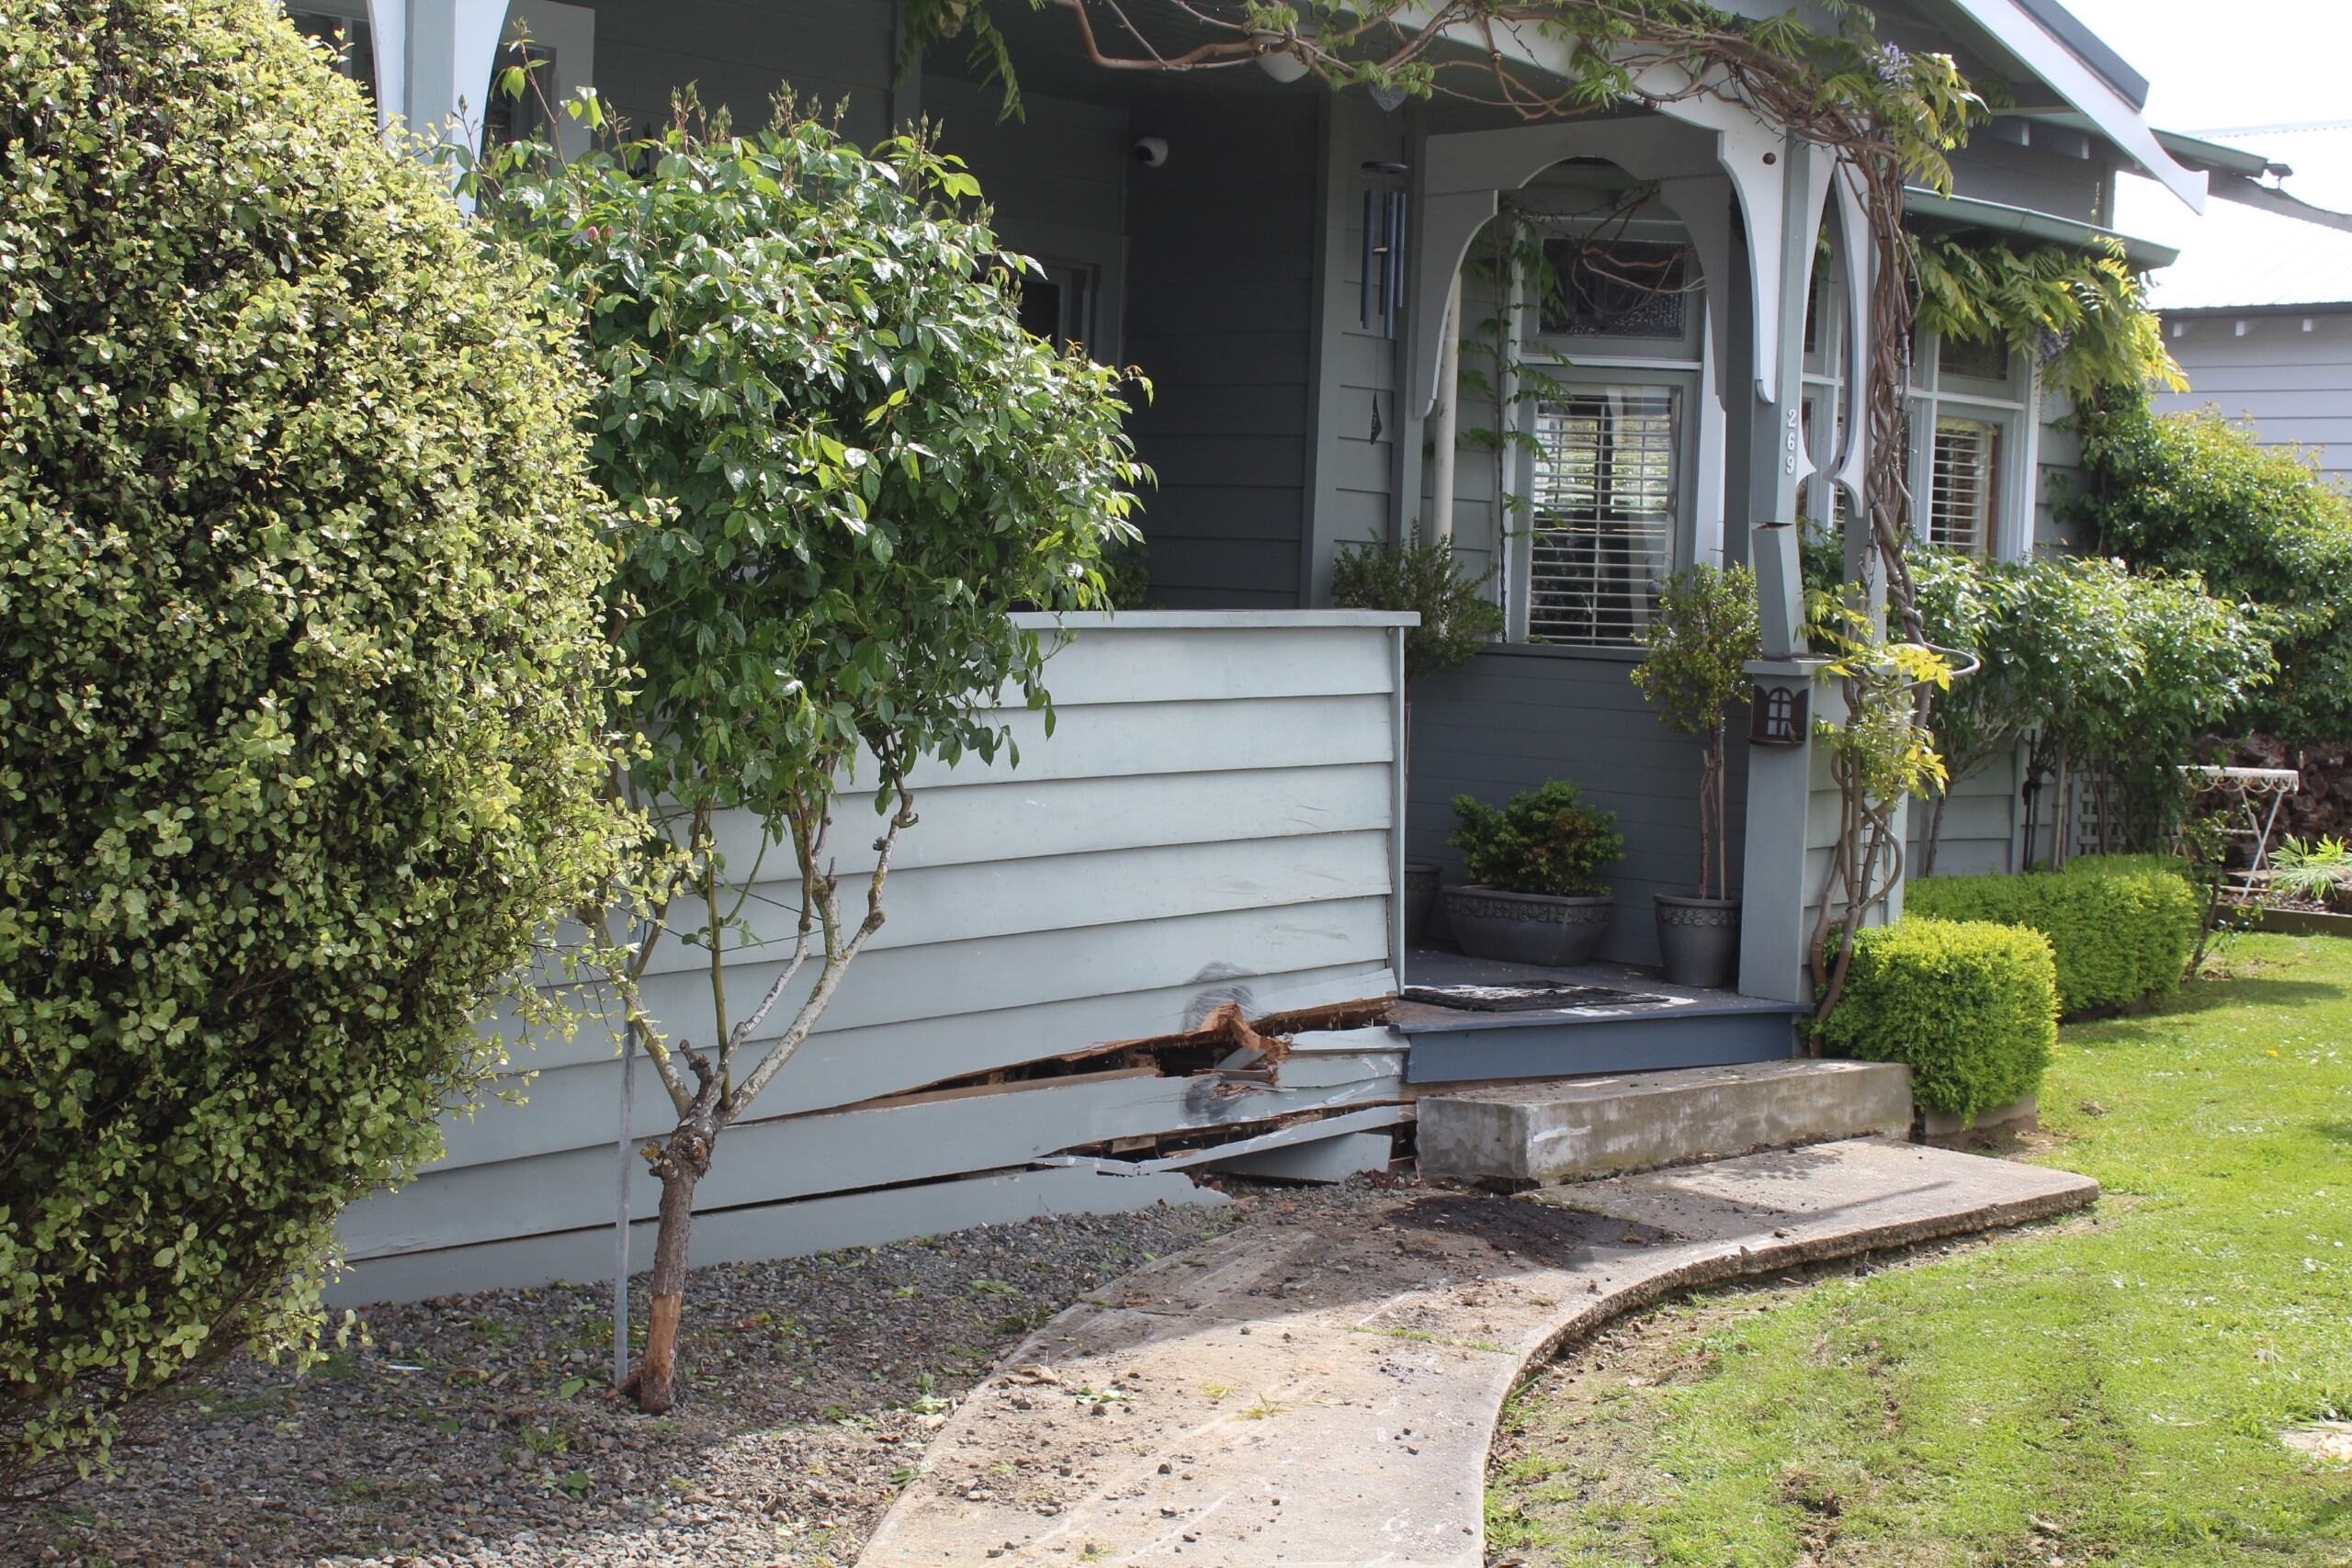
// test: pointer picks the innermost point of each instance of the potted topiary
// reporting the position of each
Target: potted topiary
(1457, 620)
(1534, 894)
(1701, 636)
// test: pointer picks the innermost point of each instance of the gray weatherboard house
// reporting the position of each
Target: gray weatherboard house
(1222, 813)
(2258, 308)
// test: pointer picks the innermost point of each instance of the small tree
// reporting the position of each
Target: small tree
(1963, 605)
(844, 464)
(1694, 657)
(302, 738)
(1879, 753)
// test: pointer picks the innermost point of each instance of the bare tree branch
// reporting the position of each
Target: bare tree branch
(837, 955)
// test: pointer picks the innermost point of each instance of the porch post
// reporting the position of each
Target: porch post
(452, 46)
(1776, 863)
(387, 19)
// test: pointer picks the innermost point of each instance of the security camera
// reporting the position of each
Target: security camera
(1151, 151)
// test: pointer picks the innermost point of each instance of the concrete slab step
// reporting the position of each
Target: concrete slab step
(1565, 1129)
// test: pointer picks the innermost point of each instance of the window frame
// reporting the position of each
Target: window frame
(1604, 359)
(1599, 372)
(358, 25)
(2010, 405)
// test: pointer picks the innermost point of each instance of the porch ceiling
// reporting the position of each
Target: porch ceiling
(1049, 55)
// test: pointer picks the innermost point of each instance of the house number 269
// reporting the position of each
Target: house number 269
(1789, 444)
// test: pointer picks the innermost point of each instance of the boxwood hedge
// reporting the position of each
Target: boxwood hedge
(2122, 926)
(1972, 1008)
(303, 725)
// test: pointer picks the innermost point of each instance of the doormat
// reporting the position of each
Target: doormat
(1529, 998)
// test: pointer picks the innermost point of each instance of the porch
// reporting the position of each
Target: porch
(1477, 1019)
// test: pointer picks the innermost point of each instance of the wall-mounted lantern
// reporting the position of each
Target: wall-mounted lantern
(1777, 714)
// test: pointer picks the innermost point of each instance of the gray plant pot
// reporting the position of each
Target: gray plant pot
(1421, 899)
(1699, 940)
(1527, 927)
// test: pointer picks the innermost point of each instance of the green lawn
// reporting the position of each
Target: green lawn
(2108, 1390)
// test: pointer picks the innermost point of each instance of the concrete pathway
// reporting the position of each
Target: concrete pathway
(1320, 1393)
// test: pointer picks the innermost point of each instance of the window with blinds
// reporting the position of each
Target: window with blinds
(1963, 482)
(1607, 471)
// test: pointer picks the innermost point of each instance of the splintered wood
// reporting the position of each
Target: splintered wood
(1226, 1026)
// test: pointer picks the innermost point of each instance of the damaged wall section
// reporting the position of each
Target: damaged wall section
(1214, 821)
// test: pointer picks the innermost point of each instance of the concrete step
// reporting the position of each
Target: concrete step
(1564, 1129)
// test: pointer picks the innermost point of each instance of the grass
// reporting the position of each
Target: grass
(2107, 1391)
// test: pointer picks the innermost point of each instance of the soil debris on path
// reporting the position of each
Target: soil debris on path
(478, 1430)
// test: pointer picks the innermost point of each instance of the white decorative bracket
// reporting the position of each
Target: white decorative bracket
(1859, 262)
(1693, 135)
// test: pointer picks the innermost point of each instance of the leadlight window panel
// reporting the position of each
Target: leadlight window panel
(1607, 475)
(1636, 288)
(1963, 484)
(1978, 360)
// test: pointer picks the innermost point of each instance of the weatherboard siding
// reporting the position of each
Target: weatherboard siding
(1220, 318)
(737, 53)
(1513, 718)
(1213, 818)
(2291, 387)
(1981, 823)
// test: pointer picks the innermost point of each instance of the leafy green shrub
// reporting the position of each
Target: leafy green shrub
(2122, 926)
(2111, 670)
(1972, 1008)
(303, 734)
(1540, 840)
(2318, 873)
(1457, 618)
(2192, 492)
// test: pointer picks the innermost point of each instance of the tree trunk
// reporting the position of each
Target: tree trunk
(681, 1166)
(1935, 834)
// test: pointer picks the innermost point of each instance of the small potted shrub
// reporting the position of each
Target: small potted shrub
(1534, 894)
(1699, 640)
(1457, 620)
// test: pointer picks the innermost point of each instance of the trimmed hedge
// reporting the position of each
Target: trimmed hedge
(1971, 1007)
(2122, 926)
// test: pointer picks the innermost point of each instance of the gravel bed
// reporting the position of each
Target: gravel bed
(478, 1430)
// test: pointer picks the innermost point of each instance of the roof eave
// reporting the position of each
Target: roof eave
(2023, 33)
(1963, 211)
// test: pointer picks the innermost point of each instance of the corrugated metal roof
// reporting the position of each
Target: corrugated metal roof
(2238, 255)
